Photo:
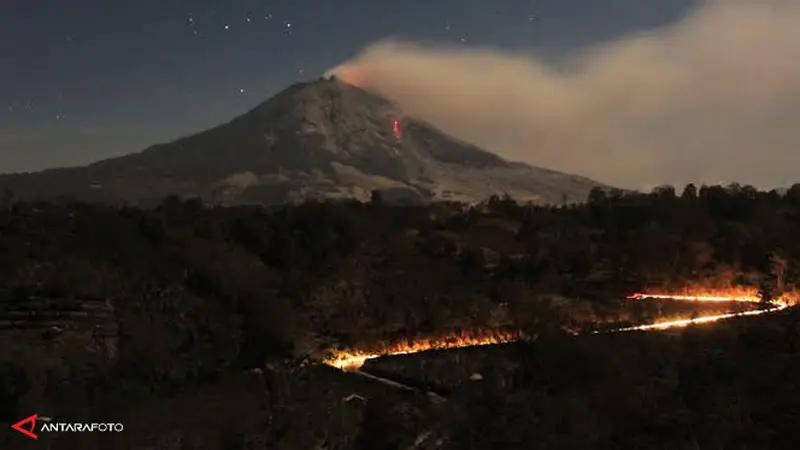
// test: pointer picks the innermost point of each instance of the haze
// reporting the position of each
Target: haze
(714, 98)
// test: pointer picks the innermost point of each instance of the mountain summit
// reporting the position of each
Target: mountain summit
(321, 139)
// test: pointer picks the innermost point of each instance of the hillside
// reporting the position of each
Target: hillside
(322, 139)
(202, 327)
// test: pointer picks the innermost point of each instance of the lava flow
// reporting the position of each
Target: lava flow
(396, 129)
(353, 360)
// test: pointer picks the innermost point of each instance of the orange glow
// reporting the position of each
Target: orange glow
(681, 323)
(349, 75)
(351, 360)
(746, 295)
(742, 295)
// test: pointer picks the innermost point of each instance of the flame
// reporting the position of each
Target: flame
(745, 295)
(742, 295)
(351, 360)
(681, 323)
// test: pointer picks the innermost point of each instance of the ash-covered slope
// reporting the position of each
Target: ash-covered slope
(322, 139)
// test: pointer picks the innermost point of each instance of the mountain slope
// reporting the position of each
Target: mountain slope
(322, 139)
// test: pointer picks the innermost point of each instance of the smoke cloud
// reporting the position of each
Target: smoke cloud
(713, 98)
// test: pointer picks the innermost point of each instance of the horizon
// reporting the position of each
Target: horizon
(305, 224)
(330, 75)
(147, 100)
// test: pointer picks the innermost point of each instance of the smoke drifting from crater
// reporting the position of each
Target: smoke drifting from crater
(714, 98)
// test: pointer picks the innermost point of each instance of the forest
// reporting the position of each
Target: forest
(104, 307)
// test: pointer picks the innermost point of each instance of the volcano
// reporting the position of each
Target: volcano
(322, 139)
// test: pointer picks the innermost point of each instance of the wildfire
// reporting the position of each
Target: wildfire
(727, 295)
(742, 295)
(351, 360)
(681, 323)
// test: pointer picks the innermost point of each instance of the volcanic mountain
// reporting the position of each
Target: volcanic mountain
(322, 139)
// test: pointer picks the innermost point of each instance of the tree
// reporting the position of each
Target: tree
(7, 199)
(505, 206)
(13, 385)
(664, 192)
(772, 282)
(193, 206)
(778, 266)
(231, 438)
(793, 193)
(172, 204)
(766, 292)
(267, 328)
(437, 246)
(376, 198)
(472, 261)
(382, 426)
(597, 195)
(689, 192)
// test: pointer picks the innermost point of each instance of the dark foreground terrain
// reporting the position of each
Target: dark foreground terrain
(722, 386)
(199, 326)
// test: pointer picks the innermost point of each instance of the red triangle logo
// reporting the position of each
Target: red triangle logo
(27, 432)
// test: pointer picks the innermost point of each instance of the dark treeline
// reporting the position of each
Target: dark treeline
(176, 296)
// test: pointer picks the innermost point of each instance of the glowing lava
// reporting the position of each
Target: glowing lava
(351, 360)
(396, 128)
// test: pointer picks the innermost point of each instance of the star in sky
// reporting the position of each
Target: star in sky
(160, 69)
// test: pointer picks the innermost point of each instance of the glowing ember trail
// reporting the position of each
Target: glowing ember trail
(353, 360)
(702, 319)
(741, 295)
(732, 295)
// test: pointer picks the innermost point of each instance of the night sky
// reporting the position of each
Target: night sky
(82, 80)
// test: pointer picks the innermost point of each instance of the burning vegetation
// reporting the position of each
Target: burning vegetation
(353, 360)
(350, 360)
(740, 294)
(200, 292)
(735, 295)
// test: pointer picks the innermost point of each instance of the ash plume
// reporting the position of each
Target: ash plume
(713, 98)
